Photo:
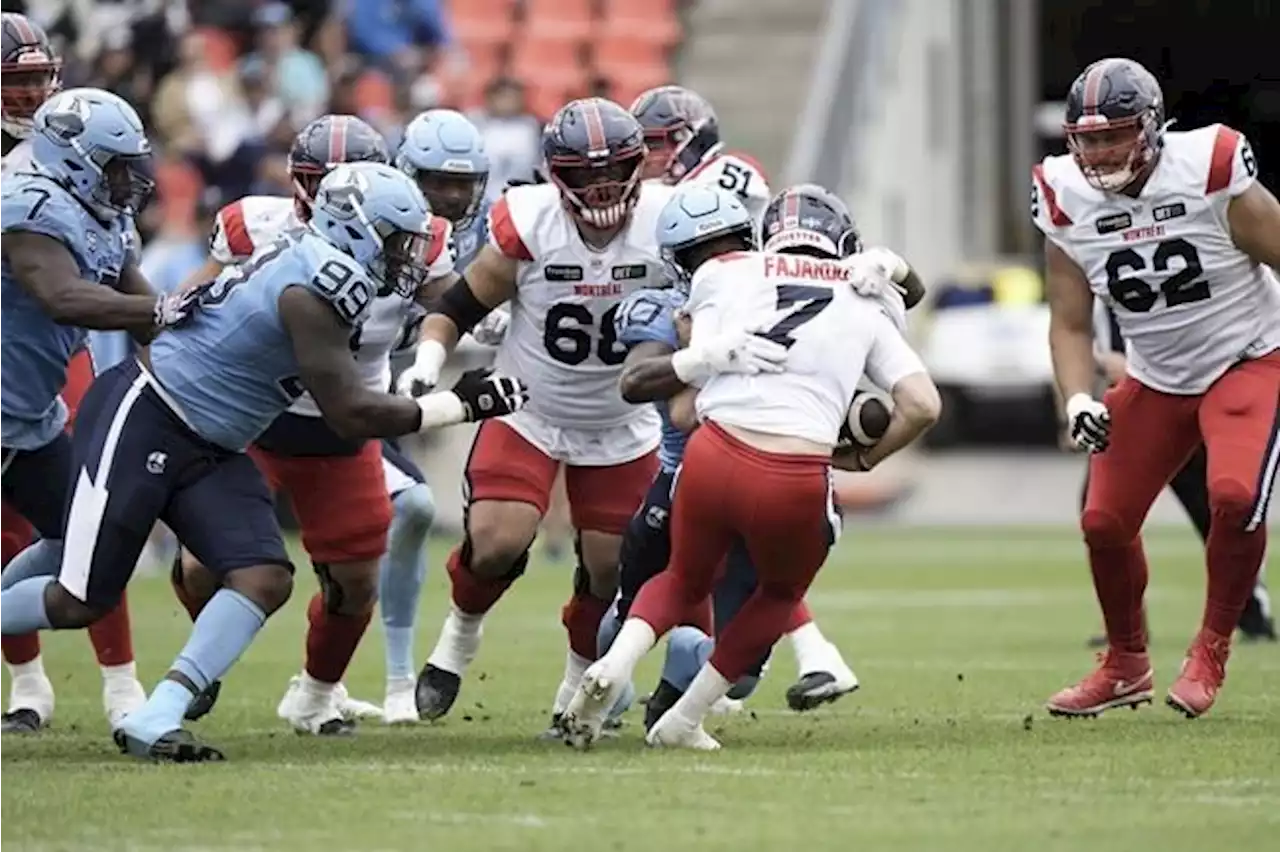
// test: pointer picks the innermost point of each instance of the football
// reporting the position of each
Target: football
(866, 424)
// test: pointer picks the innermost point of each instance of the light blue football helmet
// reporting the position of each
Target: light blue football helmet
(695, 215)
(93, 143)
(444, 153)
(377, 215)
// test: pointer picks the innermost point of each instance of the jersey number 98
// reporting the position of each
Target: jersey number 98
(1180, 288)
(568, 337)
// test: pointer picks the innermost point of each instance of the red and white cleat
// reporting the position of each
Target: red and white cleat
(1203, 671)
(1124, 679)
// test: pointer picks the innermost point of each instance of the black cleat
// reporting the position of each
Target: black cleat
(815, 689)
(341, 727)
(436, 691)
(662, 700)
(180, 746)
(1255, 625)
(555, 731)
(24, 720)
(203, 703)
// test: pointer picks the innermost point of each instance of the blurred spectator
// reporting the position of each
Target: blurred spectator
(401, 36)
(297, 76)
(199, 111)
(180, 246)
(512, 135)
(116, 71)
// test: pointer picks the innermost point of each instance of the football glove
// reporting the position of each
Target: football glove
(1088, 423)
(421, 376)
(477, 395)
(174, 309)
(490, 330)
(739, 351)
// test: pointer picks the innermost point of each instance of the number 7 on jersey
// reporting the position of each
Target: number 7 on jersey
(806, 302)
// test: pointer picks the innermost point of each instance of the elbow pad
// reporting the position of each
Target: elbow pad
(459, 304)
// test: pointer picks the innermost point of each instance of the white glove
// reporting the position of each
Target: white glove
(1089, 423)
(422, 375)
(490, 330)
(875, 269)
(739, 351)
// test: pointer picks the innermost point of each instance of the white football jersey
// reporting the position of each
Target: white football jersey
(832, 337)
(561, 340)
(18, 159)
(243, 227)
(1188, 303)
(737, 173)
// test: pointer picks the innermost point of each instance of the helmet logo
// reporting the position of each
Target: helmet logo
(34, 56)
(345, 193)
(67, 117)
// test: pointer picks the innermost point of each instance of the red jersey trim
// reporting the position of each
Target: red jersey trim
(231, 218)
(439, 238)
(505, 233)
(1222, 160)
(1056, 215)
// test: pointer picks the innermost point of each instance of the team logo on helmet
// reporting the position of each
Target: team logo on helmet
(345, 193)
(67, 116)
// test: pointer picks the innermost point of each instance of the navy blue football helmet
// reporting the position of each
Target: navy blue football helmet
(1115, 123)
(680, 131)
(593, 150)
(324, 143)
(807, 219)
(28, 73)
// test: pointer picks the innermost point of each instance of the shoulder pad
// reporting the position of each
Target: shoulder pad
(40, 206)
(647, 315)
(341, 282)
(514, 217)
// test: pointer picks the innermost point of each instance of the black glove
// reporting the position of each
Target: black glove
(486, 394)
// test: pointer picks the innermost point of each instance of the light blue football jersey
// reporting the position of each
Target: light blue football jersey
(36, 350)
(230, 369)
(649, 315)
(468, 241)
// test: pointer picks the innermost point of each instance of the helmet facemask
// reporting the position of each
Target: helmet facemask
(1113, 153)
(599, 195)
(26, 84)
(402, 265)
(306, 181)
(663, 148)
(455, 196)
(127, 181)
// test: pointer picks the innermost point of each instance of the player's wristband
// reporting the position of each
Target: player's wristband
(689, 366)
(440, 409)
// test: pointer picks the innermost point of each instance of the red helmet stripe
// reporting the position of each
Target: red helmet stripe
(1093, 86)
(596, 140)
(338, 140)
(791, 210)
(23, 26)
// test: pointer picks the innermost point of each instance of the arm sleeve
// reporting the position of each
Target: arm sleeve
(891, 358)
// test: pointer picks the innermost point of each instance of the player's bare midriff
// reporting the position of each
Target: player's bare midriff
(781, 444)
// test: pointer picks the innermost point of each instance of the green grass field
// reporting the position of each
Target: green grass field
(957, 636)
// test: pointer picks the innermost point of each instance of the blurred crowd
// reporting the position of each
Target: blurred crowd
(223, 86)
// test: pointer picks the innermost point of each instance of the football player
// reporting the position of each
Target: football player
(263, 333)
(444, 154)
(682, 138)
(338, 485)
(1189, 484)
(30, 75)
(565, 254)
(1173, 231)
(759, 467)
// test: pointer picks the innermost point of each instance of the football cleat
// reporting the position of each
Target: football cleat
(1256, 625)
(204, 702)
(354, 708)
(311, 707)
(179, 746)
(1123, 679)
(24, 720)
(435, 692)
(1203, 671)
(675, 731)
(399, 707)
(120, 697)
(822, 687)
(585, 716)
(657, 704)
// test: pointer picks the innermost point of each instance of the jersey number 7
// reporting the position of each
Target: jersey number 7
(805, 301)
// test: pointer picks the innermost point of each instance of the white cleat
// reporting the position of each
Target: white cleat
(311, 707)
(354, 708)
(726, 706)
(584, 718)
(675, 731)
(399, 707)
(121, 695)
(30, 703)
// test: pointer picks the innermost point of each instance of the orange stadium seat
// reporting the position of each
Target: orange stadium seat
(545, 99)
(644, 21)
(565, 19)
(621, 56)
(542, 62)
(490, 22)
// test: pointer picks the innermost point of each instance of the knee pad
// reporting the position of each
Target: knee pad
(1103, 528)
(415, 506)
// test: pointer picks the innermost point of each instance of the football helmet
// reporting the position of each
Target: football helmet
(1115, 123)
(324, 143)
(593, 150)
(29, 73)
(694, 216)
(92, 142)
(680, 131)
(376, 214)
(807, 219)
(444, 153)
